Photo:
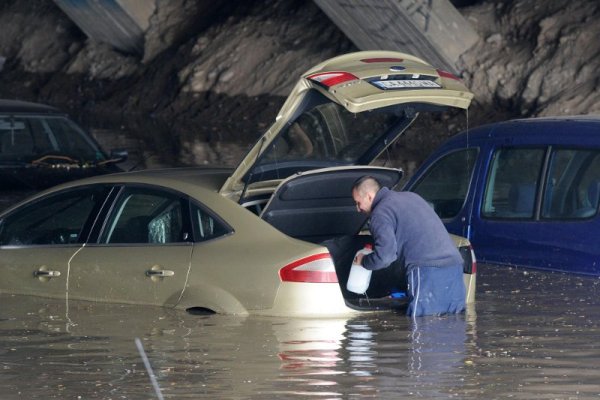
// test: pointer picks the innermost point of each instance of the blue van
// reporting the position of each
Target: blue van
(524, 192)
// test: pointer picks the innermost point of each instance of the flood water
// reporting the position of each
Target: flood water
(531, 335)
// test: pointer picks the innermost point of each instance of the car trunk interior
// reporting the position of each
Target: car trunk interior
(317, 207)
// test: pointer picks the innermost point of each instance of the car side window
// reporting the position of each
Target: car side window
(206, 226)
(143, 215)
(57, 219)
(446, 183)
(573, 184)
(512, 183)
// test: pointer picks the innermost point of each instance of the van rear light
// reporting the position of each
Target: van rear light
(469, 260)
(318, 268)
(329, 79)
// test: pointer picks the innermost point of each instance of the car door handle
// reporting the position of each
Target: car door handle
(159, 273)
(46, 274)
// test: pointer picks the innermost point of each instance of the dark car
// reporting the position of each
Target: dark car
(40, 146)
(524, 192)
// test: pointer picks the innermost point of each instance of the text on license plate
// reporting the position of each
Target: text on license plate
(406, 84)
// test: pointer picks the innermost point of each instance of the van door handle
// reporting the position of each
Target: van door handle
(162, 273)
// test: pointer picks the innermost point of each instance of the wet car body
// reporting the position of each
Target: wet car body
(243, 241)
(525, 192)
(40, 146)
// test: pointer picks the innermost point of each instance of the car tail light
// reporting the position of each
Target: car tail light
(318, 268)
(446, 74)
(469, 260)
(329, 79)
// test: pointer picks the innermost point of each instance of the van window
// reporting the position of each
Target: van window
(446, 183)
(513, 183)
(573, 184)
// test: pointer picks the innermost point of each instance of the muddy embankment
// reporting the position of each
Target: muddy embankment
(212, 77)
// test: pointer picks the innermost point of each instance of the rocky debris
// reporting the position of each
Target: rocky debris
(214, 74)
(36, 37)
(272, 47)
(174, 21)
(98, 61)
(535, 58)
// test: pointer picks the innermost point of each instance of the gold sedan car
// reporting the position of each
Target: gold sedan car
(243, 241)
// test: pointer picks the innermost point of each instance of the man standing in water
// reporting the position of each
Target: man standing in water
(406, 229)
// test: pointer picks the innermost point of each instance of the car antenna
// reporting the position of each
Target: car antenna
(262, 142)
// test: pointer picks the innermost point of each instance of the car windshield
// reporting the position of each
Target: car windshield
(26, 138)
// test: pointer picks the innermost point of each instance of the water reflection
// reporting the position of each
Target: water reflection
(533, 336)
(438, 350)
(88, 349)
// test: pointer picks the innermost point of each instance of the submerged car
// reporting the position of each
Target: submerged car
(40, 146)
(243, 241)
(525, 192)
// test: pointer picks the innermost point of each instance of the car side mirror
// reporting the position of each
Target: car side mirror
(119, 155)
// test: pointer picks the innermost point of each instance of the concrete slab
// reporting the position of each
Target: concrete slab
(431, 29)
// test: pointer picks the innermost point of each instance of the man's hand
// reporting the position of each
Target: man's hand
(358, 259)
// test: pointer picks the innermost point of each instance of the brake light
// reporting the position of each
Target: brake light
(329, 79)
(473, 261)
(318, 268)
(446, 74)
(382, 60)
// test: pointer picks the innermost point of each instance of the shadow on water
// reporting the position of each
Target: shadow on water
(532, 335)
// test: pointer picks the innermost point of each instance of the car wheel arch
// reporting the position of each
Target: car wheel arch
(210, 299)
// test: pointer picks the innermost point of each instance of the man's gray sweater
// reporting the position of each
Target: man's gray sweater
(406, 228)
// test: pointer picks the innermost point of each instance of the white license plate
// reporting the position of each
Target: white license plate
(406, 84)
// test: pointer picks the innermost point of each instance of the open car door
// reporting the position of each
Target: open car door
(344, 111)
(318, 205)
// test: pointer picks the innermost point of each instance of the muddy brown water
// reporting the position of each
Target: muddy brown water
(531, 335)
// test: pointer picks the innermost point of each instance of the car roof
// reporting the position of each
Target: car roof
(26, 107)
(575, 119)
(210, 178)
(195, 182)
(543, 130)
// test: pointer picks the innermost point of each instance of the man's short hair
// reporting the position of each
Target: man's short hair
(366, 184)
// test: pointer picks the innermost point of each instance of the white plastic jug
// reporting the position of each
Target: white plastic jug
(360, 277)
